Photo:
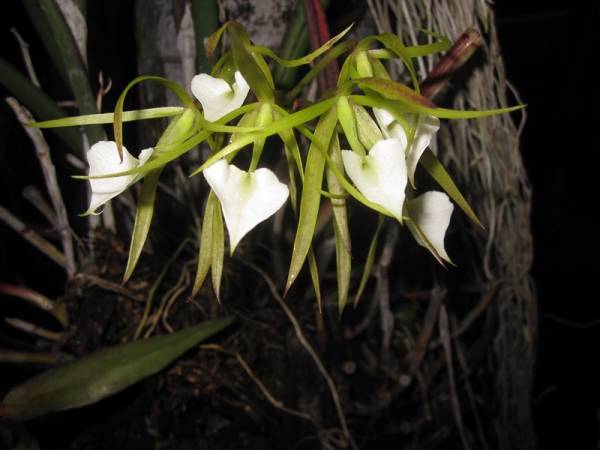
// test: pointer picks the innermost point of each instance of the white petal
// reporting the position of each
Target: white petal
(389, 126)
(428, 126)
(145, 155)
(431, 213)
(217, 97)
(103, 159)
(381, 175)
(246, 198)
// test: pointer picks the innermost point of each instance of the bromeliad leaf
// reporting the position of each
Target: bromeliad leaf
(102, 374)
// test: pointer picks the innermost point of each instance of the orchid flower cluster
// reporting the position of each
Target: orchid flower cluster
(385, 127)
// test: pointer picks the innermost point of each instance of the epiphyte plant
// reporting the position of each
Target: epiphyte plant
(384, 126)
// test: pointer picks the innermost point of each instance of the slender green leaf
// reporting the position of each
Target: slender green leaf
(74, 65)
(205, 15)
(103, 373)
(437, 171)
(311, 194)
(38, 102)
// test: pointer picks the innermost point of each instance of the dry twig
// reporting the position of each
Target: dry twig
(43, 154)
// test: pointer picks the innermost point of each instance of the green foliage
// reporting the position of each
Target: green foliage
(103, 373)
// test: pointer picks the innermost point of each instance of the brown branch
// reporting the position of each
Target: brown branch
(36, 299)
(32, 237)
(43, 154)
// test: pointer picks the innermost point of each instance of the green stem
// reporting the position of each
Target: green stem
(206, 21)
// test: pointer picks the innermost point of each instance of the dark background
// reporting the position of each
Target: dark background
(550, 51)
(550, 54)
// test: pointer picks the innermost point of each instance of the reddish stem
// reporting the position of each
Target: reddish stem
(318, 34)
(456, 57)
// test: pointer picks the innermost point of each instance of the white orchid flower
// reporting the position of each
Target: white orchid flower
(246, 198)
(426, 129)
(431, 212)
(381, 175)
(217, 96)
(103, 159)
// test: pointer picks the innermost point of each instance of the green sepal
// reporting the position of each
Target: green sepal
(400, 98)
(305, 59)
(205, 243)
(311, 194)
(369, 133)
(95, 119)
(169, 152)
(293, 120)
(347, 120)
(217, 250)
(252, 66)
(314, 276)
(343, 247)
(177, 130)
(335, 52)
(183, 96)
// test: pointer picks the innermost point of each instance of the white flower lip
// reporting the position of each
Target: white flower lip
(431, 212)
(246, 198)
(426, 129)
(381, 175)
(217, 96)
(103, 159)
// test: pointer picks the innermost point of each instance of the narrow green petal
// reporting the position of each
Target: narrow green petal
(217, 250)
(205, 243)
(92, 119)
(143, 219)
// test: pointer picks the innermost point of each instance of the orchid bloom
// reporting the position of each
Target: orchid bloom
(246, 198)
(103, 159)
(431, 213)
(426, 129)
(381, 175)
(217, 97)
